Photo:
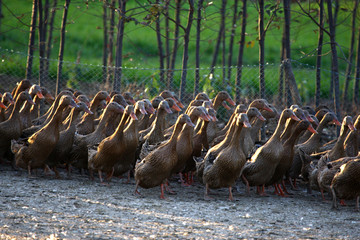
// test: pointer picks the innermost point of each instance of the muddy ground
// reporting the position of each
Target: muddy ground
(43, 207)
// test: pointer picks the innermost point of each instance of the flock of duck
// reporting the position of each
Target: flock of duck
(113, 135)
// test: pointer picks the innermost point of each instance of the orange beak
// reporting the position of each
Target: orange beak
(132, 100)
(294, 117)
(40, 95)
(247, 124)
(311, 129)
(336, 122)
(261, 117)
(225, 105)
(133, 116)
(2, 105)
(49, 96)
(351, 127)
(267, 109)
(230, 101)
(176, 108)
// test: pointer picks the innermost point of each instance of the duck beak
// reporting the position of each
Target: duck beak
(294, 117)
(132, 101)
(176, 108)
(40, 95)
(108, 99)
(336, 122)
(143, 111)
(204, 117)
(310, 119)
(150, 110)
(87, 110)
(73, 104)
(230, 101)
(76, 100)
(168, 110)
(190, 123)
(2, 105)
(351, 127)
(180, 104)
(133, 116)
(261, 117)
(49, 96)
(267, 109)
(225, 105)
(247, 124)
(311, 129)
(214, 119)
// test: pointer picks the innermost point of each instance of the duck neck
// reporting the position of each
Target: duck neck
(53, 108)
(314, 138)
(290, 142)
(288, 130)
(16, 110)
(279, 128)
(56, 119)
(73, 116)
(217, 103)
(230, 131)
(120, 129)
(235, 140)
(343, 132)
(175, 134)
(159, 122)
(27, 106)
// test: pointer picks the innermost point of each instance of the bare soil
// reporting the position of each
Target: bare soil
(43, 207)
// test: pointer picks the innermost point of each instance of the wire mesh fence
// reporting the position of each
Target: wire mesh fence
(145, 82)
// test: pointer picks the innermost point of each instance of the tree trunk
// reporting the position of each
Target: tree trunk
(119, 46)
(241, 53)
(261, 50)
(287, 54)
(110, 70)
(281, 75)
(232, 36)
(160, 49)
(186, 53)
(357, 75)
(290, 78)
(42, 38)
(197, 50)
(49, 40)
(218, 41)
(319, 52)
(167, 37)
(223, 55)
(334, 61)
(59, 82)
(105, 43)
(334, 24)
(351, 55)
(31, 46)
(174, 51)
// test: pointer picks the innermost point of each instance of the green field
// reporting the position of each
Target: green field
(84, 38)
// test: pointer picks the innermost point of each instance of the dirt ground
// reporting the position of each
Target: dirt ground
(43, 207)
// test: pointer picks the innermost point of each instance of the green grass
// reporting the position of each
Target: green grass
(84, 41)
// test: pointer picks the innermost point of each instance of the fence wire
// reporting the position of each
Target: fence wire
(145, 82)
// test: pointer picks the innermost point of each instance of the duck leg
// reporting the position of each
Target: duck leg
(162, 191)
(322, 195)
(230, 194)
(342, 202)
(334, 203)
(206, 195)
(100, 176)
(261, 190)
(110, 175)
(284, 187)
(183, 183)
(282, 194)
(29, 170)
(136, 189)
(247, 184)
(167, 187)
(57, 174)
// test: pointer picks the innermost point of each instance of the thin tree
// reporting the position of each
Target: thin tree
(334, 60)
(357, 75)
(241, 53)
(43, 19)
(197, 49)
(119, 46)
(261, 49)
(49, 40)
(332, 80)
(160, 47)
(219, 37)
(175, 47)
(319, 53)
(287, 50)
(110, 45)
(62, 46)
(167, 36)
(185, 51)
(351, 54)
(31, 46)
(232, 36)
(105, 42)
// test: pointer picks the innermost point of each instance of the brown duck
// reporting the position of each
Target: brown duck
(263, 163)
(60, 153)
(25, 116)
(34, 111)
(39, 146)
(23, 85)
(351, 144)
(6, 100)
(87, 125)
(346, 183)
(155, 168)
(12, 127)
(110, 149)
(226, 167)
(144, 121)
(130, 142)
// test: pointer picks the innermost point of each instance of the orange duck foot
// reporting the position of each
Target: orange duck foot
(342, 202)
(162, 191)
